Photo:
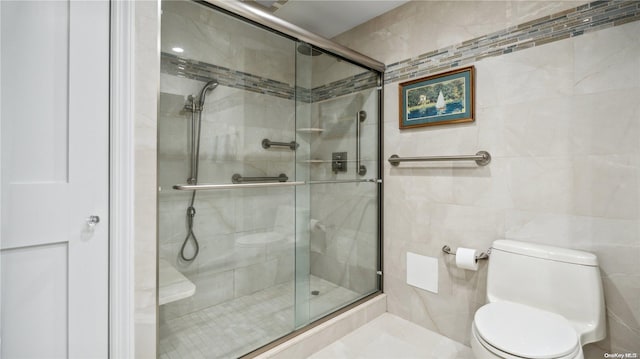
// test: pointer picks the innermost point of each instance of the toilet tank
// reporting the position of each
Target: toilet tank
(559, 280)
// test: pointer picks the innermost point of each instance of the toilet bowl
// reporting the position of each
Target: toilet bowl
(543, 302)
(511, 330)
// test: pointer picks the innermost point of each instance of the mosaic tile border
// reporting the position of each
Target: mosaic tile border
(573, 22)
(202, 71)
(360, 82)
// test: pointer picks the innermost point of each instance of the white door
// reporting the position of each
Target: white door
(54, 131)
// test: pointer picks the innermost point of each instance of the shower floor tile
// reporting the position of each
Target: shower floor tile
(235, 327)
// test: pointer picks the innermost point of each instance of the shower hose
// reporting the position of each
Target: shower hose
(191, 212)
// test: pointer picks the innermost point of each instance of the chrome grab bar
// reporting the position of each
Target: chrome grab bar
(360, 117)
(200, 187)
(482, 158)
(237, 178)
(267, 143)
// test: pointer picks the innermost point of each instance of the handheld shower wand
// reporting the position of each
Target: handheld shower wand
(203, 93)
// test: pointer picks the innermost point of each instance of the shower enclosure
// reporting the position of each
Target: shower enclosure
(269, 183)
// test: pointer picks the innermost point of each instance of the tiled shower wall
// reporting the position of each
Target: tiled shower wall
(562, 123)
(234, 124)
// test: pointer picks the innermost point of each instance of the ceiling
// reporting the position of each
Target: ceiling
(327, 18)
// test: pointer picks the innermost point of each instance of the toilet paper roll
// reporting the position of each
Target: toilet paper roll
(466, 258)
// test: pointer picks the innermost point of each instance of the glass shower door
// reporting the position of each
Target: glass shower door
(337, 127)
(226, 251)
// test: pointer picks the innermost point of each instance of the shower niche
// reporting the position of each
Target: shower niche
(258, 235)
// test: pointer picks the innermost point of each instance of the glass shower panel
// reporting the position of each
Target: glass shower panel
(337, 125)
(226, 276)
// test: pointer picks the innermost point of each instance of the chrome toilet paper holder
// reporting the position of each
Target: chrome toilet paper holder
(481, 256)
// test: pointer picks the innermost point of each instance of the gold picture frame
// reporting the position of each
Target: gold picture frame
(439, 99)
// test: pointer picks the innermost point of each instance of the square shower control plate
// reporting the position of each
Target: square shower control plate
(339, 162)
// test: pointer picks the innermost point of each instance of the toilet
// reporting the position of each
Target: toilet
(542, 302)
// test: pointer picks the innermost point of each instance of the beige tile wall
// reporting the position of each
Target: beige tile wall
(562, 123)
(421, 26)
(147, 68)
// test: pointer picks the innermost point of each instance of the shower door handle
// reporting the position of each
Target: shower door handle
(360, 117)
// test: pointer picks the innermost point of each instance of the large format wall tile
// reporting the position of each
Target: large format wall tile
(603, 65)
(611, 127)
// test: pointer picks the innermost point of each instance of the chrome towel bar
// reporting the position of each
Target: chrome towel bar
(200, 187)
(482, 158)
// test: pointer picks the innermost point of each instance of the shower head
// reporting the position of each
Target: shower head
(307, 50)
(203, 93)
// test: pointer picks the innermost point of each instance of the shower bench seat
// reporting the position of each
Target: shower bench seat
(173, 285)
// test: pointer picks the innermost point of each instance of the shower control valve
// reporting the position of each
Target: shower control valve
(339, 162)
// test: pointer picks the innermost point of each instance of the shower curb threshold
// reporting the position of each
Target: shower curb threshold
(312, 340)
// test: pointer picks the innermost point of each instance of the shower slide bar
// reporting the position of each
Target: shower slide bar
(482, 158)
(267, 143)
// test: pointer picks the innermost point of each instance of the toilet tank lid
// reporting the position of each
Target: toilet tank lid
(546, 252)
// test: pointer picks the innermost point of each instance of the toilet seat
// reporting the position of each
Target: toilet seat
(512, 330)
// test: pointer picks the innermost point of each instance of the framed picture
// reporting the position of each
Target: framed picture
(437, 100)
